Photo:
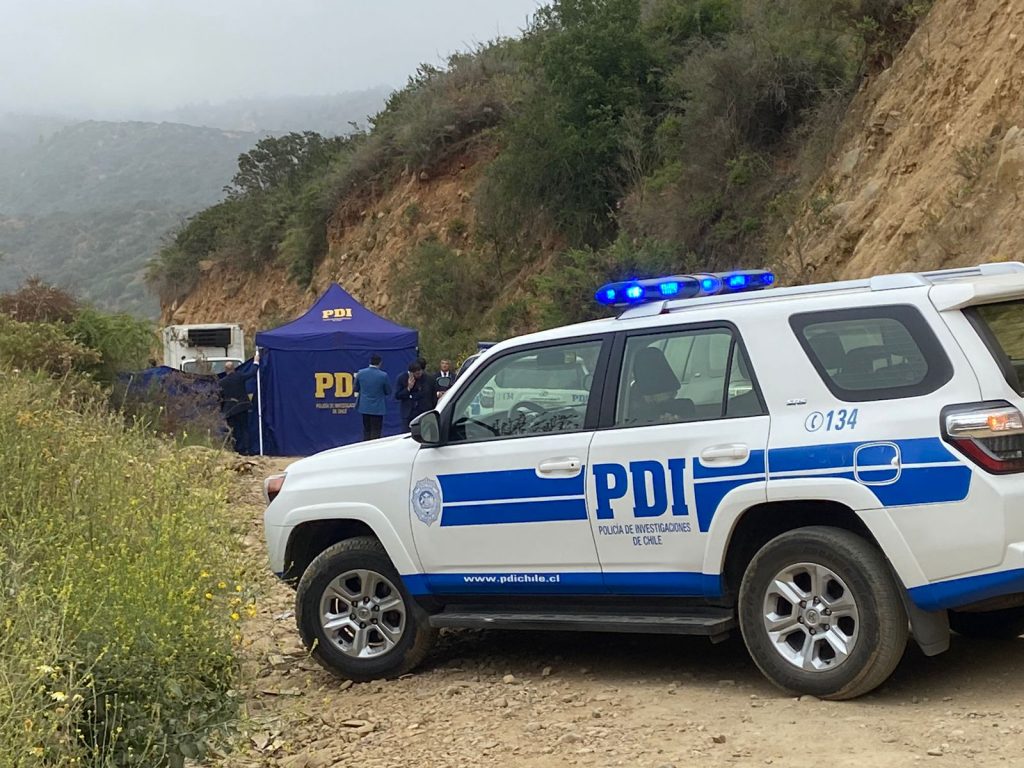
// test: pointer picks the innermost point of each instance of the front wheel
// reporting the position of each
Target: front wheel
(821, 613)
(356, 616)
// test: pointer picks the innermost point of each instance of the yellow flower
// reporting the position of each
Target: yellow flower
(251, 610)
(209, 595)
(36, 752)
(235, 616)
(238, 587)
(59, 696)
(221, 585)
(204, 575)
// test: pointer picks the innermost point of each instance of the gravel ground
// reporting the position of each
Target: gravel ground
(539, 700)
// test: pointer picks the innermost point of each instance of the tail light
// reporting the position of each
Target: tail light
(272, 486)
(989, 434)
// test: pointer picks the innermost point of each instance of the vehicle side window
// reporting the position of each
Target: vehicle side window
(684, 376)
(533, 392)
(873, 353)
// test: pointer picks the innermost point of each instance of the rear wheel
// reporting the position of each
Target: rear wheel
(355, 615)
(1005, 624)
(821, 613)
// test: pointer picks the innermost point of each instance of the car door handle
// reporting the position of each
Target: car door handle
(569, 464)
(727, 452)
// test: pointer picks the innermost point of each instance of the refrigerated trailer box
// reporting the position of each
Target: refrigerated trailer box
(204, 347)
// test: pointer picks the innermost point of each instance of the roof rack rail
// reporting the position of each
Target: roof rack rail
(983, 270)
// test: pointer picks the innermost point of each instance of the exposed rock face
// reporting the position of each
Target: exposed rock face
(929, 164)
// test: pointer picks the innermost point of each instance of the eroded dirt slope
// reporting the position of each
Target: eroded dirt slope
(929, 169)
(368, 242)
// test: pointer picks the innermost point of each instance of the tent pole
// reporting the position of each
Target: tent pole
(259, 406)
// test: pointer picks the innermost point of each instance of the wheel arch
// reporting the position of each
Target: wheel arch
(761, 523)
(758, 524)
(314, 529)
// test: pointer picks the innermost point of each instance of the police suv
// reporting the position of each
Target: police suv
(827, 468)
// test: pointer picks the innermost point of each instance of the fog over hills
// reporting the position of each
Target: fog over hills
(86, 203)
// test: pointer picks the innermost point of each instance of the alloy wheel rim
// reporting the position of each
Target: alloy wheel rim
(362, 614)
(811, 617)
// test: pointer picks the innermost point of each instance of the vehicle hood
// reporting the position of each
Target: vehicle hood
(371, 453)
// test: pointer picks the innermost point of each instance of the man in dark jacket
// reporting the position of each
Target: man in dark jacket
(235, 404)
(413, 393)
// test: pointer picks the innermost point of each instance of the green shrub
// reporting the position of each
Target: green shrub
(591, 65)
(123, 342)
(117, 600)
(43, 347)
(566, 290)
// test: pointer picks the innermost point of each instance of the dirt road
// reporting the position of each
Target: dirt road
(540, 700)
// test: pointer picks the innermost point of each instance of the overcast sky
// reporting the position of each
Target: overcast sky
(108, 58)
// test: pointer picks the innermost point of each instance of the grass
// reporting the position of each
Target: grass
(119, 601)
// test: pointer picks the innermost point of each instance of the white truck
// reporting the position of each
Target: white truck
(203, 348)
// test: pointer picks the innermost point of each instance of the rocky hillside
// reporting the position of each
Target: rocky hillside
(928, 168)
(917, 164)
(365, 246)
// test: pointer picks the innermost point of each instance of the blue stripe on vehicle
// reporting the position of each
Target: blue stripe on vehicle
(925, 485)
(678, 583)
(545, 511)
(752, 466)
(682, 583)
(708, 496)
(966, 590)
(916, 485)
(922, 450)
(508, 484)
(811, 457)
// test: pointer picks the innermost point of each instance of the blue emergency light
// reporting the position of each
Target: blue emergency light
(684, 287)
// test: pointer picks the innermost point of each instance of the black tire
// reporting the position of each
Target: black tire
(360, 553)
(1005, 624)
(882, 627)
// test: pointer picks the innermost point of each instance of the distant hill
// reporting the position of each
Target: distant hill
(86, 204)
(327, 115)
(98, 165)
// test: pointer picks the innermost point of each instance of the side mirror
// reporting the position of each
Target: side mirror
(426, 428)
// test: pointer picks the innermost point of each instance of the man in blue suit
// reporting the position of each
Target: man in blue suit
(373, 387)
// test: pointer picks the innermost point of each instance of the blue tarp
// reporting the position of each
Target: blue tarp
(307, 368)
(191, 396)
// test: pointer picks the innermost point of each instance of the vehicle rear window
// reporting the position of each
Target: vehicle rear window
(873, 353)
(1002, 327)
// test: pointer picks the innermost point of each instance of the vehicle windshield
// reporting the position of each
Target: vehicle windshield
(527, 375)
(1005, 322)
(209, 367)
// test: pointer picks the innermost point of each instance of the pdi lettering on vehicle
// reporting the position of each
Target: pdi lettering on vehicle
(828, 469)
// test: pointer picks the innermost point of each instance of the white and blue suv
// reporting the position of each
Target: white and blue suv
(828, 468)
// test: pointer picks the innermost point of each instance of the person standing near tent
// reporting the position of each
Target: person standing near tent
(372, 388)
(443, 380)
(235, 404)
(413, 392)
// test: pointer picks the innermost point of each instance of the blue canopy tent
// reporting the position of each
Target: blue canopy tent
(307, 369)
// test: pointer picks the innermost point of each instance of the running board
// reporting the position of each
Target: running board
(708, 622)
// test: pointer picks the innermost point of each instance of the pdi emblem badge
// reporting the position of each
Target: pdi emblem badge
(426, 500)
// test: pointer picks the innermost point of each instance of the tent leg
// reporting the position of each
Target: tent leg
(259, 407)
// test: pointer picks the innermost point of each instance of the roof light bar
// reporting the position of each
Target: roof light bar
(683, 287)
